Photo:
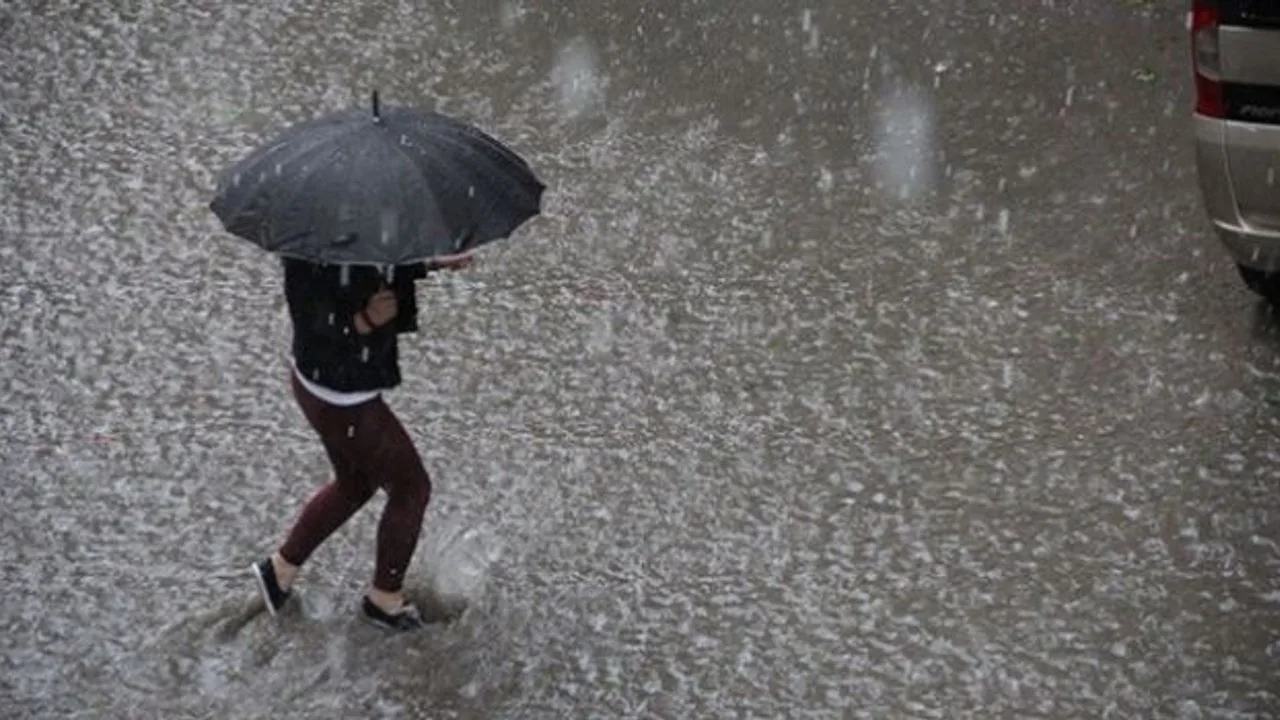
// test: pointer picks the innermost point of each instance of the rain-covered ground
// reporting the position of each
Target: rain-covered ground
(871, 360)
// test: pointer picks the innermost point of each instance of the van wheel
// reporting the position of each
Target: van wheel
(1266, 284)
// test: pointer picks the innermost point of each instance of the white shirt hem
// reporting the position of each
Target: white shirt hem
(333, 397)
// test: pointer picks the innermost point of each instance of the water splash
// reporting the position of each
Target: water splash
(904, 137)
(577, 78)
(458, 562)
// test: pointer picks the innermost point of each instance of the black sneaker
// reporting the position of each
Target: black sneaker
(272, 594)
(404, 619)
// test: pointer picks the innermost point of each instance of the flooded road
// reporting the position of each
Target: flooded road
(870, 361)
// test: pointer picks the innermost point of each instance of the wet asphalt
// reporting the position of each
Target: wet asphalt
(870, 360)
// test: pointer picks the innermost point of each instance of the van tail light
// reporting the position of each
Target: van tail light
(1203, 22)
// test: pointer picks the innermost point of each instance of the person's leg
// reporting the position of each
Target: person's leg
(343, 431)
(408, 486)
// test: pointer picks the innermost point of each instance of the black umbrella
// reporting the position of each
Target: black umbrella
(395, 187)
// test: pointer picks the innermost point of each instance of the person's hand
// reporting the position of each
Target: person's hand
(380, 310)
(457, 261)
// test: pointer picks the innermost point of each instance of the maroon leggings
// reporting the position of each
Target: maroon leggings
(368, 448)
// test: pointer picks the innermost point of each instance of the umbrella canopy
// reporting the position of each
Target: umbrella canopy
(391, 187)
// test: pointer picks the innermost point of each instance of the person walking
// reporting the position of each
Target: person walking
(346, 320)
(339, 196)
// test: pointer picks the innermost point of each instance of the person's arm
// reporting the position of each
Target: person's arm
(458, 261)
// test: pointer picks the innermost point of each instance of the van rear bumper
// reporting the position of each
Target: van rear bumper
(1249, 243)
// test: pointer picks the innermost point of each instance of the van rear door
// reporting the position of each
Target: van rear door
(1249, 57)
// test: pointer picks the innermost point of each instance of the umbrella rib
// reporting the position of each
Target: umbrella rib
(296, 188)
(484, 178)
(459, 135)
(419, 177)
(471, 131)
(339, 134)
(472, 151)
(464, 171)
(248, 198)
(503, 179)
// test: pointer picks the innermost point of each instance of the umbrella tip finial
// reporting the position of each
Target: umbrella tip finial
(377, 110)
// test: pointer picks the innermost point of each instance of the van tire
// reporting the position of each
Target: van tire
(1266, 284)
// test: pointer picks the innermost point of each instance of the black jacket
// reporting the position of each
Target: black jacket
(326, 346)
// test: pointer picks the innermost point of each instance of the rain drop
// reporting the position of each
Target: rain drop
(277, 169)
(815, 40)
(330, 318)
(471, 191)
(364, 354)
(390, 273)
(351, 431)
(1271, 177)
(826, 180)
(390, 224)
(315, 374)
(235, 180)
(344, 275)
